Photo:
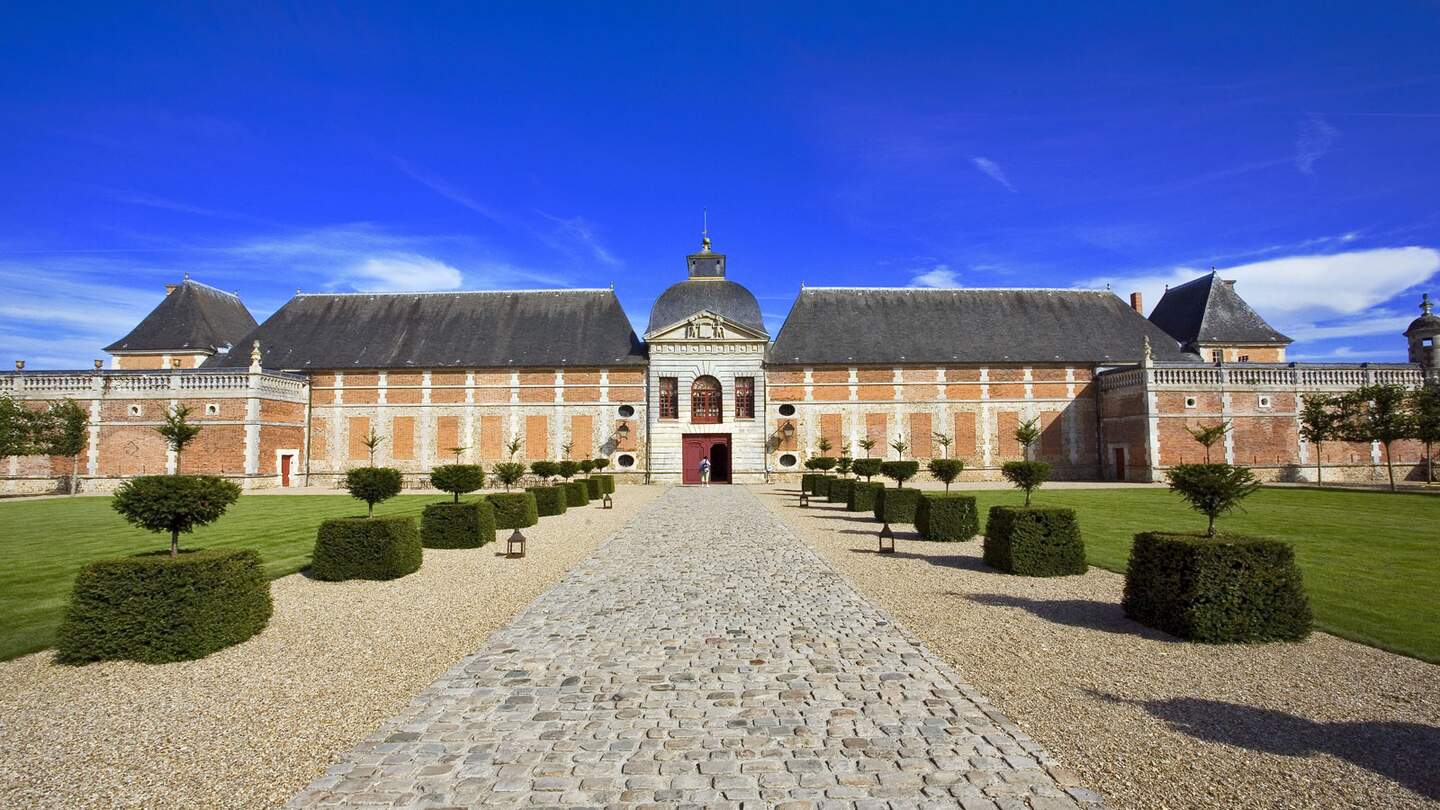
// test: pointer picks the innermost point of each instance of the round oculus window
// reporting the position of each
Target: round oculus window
(626, 411)
(625, 460)
(787, 460)
(787, 410)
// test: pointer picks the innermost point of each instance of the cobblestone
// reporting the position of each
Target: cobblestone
(702, 656)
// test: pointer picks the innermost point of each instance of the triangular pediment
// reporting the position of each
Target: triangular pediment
(705, 326)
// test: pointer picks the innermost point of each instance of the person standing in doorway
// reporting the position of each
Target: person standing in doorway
(704, 471)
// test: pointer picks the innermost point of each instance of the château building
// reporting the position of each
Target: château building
(538, 374)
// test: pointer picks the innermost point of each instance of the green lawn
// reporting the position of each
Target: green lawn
(44, 543)
(1371, 560)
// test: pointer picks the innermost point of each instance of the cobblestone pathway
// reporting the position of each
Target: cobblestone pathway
(703, 656)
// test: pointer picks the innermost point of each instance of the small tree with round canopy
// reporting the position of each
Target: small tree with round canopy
(1212, 489)
(457, 478)
(373, 485)
(945, 470)
(174, 503)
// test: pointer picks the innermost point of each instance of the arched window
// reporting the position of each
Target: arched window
(705, 400)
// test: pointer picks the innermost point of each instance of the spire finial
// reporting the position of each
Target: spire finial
(1426, 307)
(704, 230)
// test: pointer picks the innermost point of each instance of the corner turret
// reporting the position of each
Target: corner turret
(1423, 336)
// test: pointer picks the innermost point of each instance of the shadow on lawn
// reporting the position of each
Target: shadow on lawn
(1401, 752)
(1107, 617)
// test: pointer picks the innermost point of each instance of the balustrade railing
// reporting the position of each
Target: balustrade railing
(1259, 376)
(114, 383)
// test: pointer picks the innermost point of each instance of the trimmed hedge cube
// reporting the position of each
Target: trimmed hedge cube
(575, 494)
(822, 484)
(941, 516)
(863, 495)
(155, 608)
(607, 483)
(366, 548)
(470, 524)
(840, 490)
(592, 488)
(1034, 541)
(514, 510)
(548, 500)
(1220, 589)
(807, 482)
(896, 505)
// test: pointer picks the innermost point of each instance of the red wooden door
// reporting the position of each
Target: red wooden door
(715, 447)
(285, 470)
(695, 448)
(1119, 464)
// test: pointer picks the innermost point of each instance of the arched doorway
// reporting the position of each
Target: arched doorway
(720, 463)
(705, 401)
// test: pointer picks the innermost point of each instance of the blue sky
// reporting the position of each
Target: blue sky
(407, 146)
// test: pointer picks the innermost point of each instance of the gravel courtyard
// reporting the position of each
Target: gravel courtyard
(251, 725)
(703, 657)
(1148, 721)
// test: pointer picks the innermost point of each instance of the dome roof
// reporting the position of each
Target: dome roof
(719, 295)
(1428, 323)
(1424, 324)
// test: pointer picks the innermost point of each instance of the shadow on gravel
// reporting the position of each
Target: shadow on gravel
(851, 517)
(1400, 752)
(1106, 617)
(960, 561)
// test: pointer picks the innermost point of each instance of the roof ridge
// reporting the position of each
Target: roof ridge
(1209, 299)
(460, 292)
(966, 289)
(203, 285)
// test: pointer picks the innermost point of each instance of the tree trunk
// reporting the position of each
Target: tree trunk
(1429, 464)
(1210, 529)
(1390, 466)
(369, 509)
(174, 542)
(74, 472)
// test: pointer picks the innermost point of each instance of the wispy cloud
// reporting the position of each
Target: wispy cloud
(573, 236)
(449, 192)
(90, 299)
(1316, 138)
(1342, 354)
(938, 276)
(64, 321)
(582, 232)
(994, 172)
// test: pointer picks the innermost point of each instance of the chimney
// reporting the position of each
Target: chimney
(1135, 303)
(170, 288)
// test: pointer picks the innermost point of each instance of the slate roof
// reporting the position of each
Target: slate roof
(193, 317)
(719, 295)
(506, 328)
(1208, 310)
(841, 326)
